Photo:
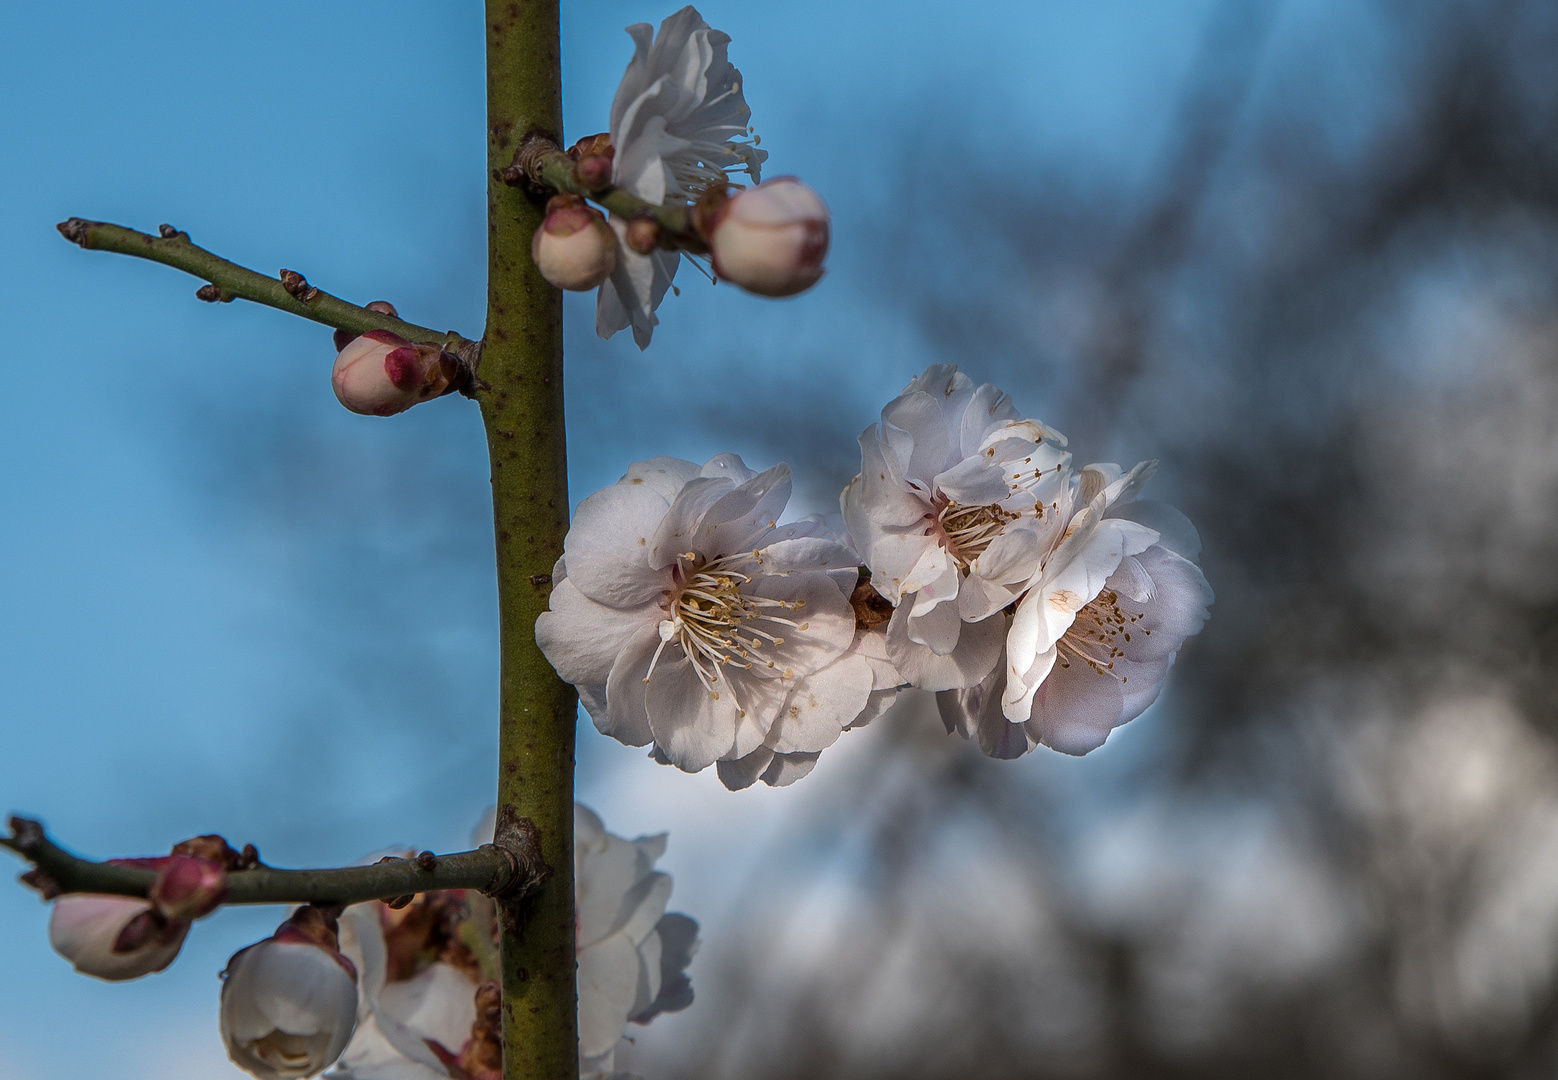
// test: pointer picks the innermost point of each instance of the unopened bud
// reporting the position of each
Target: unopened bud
(770, 239)
(574, 248)
(188, 887)
(289, 1003)
(113, 937)
(643, 234)
(593, 171)
(380, 374)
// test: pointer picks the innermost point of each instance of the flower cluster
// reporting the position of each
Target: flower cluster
(407, 990)
(679, 130)
(1043, 603)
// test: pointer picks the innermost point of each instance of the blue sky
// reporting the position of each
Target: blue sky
(216, 579)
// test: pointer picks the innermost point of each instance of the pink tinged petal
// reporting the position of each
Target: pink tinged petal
(666, 475)
(821, 706)
(988, 408)
(978, 650)
(673, 536)
(627, 715)
(738, 774)
(825, 623)
(113, 937)
(876, 706)
(884, 501)
(935, 570)
(1176, 609)
(438, 1003)
(1011, 558)
(1075, 709)
(607, 546)
(786, 769)
(974, 481)
(1022, 684)
(608, 987)
(975, 713)
(938, 629)
(806, 553)
(979, 599)
(730, 466)
(740, 520)
(582, 639)
(940, 589)
(693, 725)
(895, 557)
(917, 436)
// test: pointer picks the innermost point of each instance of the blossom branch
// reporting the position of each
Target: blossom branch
(228, 281)
(540, 161)
(508, 868)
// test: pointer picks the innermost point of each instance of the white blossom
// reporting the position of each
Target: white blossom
(1092, 640)
(633, 957)
(289, 1003)
(770, 239)
(951, 512)
(678, 124)
(690, 619)
(113, 937)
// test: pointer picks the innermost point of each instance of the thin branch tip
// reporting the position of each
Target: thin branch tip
(75, 230)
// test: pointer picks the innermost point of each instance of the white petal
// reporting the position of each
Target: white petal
(439, 1003)
(582, 639)
(978, 649)
(1075, 709)
(627, 714)
(937, 629)
(666, 475)
(821, 706)
(607, 547)
(693, 726)
(608, 987)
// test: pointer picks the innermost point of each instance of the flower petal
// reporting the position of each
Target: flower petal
(978, 650)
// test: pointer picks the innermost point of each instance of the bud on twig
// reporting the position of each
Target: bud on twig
(188, 887)
(381, 374)
(770, 239)
(643, 234)
(297, 285)
(574, 248)
(289, 1003)
(113, 937)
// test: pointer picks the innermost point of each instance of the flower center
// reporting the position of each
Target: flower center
(1095, 634)
(968, 530)
(719, 626)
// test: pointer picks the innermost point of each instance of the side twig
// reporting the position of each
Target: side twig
(540, 162)
(507, 869)
(227, 281)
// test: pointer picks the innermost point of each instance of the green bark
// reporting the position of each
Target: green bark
(522, 365)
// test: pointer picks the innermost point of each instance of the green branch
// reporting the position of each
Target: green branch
(228, 281)
(509, 871)
(541, 162)
(522, 407)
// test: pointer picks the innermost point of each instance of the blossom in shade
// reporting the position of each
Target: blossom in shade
(691, 620)
(429, 1009)
(574, 248)
(1096, 632)
(380, 374)
(678, 125)
(289, 1003)
(770, 239)
(113, 937)
(951, 512)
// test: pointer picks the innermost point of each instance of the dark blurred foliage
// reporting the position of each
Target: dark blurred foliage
(1331, 312)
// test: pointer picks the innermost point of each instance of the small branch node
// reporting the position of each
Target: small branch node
(170, 232)
(427, 861)
(528, 157)
(519, 842)
(209, 293)
(75, 230)
(297, 286)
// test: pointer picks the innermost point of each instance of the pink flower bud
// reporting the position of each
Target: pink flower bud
(770, 239)
(187, 888)
(289, 1003)
(380, 374)
(574, 248)
(113, 937)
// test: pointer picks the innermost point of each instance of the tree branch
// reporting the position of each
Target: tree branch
(228, 281)
(508, 868)
(541, 162)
